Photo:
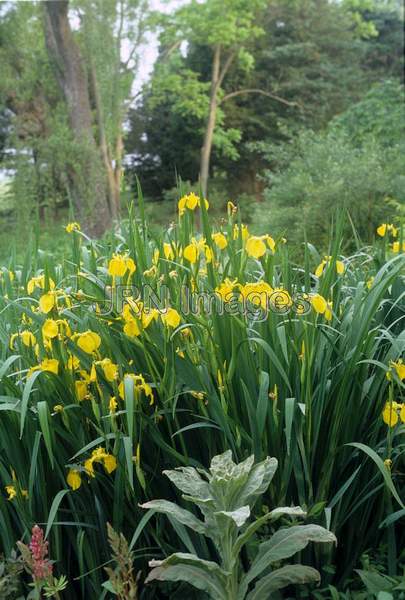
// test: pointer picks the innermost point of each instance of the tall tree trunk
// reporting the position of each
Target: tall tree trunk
(102, 141)
(89, 181)
(119, 149)
(210, 125)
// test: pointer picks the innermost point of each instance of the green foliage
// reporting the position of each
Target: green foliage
(307, 390)
(381, 586)
(10, 577)
(183, 88)
(225, 22)
(224, 29)
(355, 165)
(225, 496)
(29, 94)
(370, 580)
(316, 62)
(356, 10)
(377, 116)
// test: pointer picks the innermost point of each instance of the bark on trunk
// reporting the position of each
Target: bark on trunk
(210, 125)
(102, 141)
(119, 150)
(88, 177)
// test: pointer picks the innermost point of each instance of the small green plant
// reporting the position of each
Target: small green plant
(225, 496)
(122, 581)
(11, 569)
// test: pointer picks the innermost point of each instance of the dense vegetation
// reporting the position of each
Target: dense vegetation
(100, 394)
(354, 164)
(202, 349)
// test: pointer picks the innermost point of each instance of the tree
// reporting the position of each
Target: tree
(227, 29)
(30, 99)
(160, 144)
(384, 55)
(72, 78)
(356, 164)
(310, 55)
(77, 72)
(67, 98)
(111, 37)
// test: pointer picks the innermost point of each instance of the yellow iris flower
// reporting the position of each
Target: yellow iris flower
(139, 384)
(219, 240)
(74, 479)
(255, 246)
(321, 306)
(89, 341)
(120, 264)
(99, 455)
(171, 318)
(70, 227)
(393, 412)
(50, 329)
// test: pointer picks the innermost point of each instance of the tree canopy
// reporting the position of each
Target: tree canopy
(235, 87)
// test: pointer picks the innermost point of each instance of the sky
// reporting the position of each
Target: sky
(149, 50)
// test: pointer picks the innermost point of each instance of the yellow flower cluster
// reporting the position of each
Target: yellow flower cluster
(47, 302)
(99, 455)
(139, 383)
(385, 228)
(196, 247)
(256, 246)
(49, 365)
(26, 336)
(257, 292)
(88, 341)
(168, 251)
(225, 289)
(74, 479)
(219, 240)
(394, 411)
(110, 370)
(90, 351)
(171, 318)
(190, 201)
(52, 328)
(137, 318)
(13, 491)
(241, 231)
(260, 293)
(10, 274)
(39, 282)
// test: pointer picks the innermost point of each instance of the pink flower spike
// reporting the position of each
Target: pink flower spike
(41, 565)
